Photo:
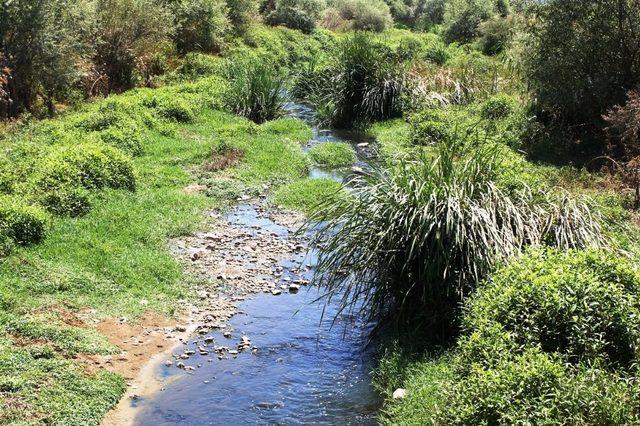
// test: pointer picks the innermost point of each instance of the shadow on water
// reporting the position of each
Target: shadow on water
(305, 370)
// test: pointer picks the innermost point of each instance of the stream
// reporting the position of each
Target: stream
(305, 368)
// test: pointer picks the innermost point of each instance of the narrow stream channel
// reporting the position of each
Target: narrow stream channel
(304, 371)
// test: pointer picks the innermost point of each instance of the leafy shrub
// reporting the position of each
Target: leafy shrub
(66, 200)
(128, 139)
(199, 65)
(22, 223)
(365, 15)
(255, 89)
(297, 14)
(87, 165)
(419, 237)
(495, 35)
(241, 14)
(623, 128)
(497, 107)
(575, 84)
(463, 18)
(170, 107)
(551, 339)
(128, 35)
(200, 24)
(430, 127)
(333, 154)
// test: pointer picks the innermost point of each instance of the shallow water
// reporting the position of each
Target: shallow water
(305, 370)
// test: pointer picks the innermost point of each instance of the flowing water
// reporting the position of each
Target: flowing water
(305, 370)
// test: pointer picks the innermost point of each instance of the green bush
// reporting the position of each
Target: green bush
(87, 165)
(583, 306)
(198, 65)
(497, 107)
(437, 54)
(550, 339)
(297, 14)
(66, 200)
(200, 24)
(333, 154)
(170, 107)
(365, 15)
(129, 139)
(463, 18)
(430, 127)
(242, 13)
(22, 223)
(495, 35)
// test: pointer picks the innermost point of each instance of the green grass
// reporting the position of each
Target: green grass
(305, 195)
(333, 154)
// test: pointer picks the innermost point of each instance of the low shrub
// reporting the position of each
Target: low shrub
(436, 54)
(429, 127)
(333, 154)
(199, 65)
(497, 107)
(87, 165)
(170, 107)
(200, 24)
(66, 200)
(495, 35)
(582, 306)
(551, 338)
(129, 139)
(22, 223)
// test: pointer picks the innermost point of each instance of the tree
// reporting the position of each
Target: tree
(584, 58)
(200, 24)
(42, 44)
(297, 14)
(242, 13)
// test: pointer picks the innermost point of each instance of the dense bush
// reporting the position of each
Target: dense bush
(242, 13)
(255, 89)
(87, 165)
(129, 34)
(430, 127)
(463, 18)
(578, 84)
(551, 339)
(41, 44)
(170, 107)
(418, 238)
(22, 223)
(497, 107)
(200, 24)
(495, 35)
(365, 15)
(297, 14)
(623, 128)
(128, 138)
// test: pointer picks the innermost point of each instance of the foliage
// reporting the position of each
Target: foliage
(357, 87)
(623, 128)
(200, 24)
(495, 35)
(241, 14)
(22, 223)
(41, 44)
(255, 89)
(128, 34)
(430, 127)
(575, 84)
(171, 108)
(555, 328)
(497, 107)
(297, 14)
(365, 15)
(333, 154)
(419, 237)
(463, 18)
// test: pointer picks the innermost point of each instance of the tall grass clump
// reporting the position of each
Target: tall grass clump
(255, 89)
(363, 83)
(416, 239)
